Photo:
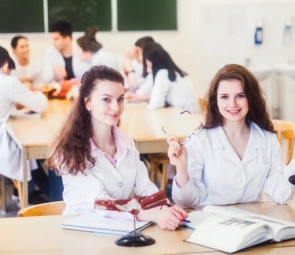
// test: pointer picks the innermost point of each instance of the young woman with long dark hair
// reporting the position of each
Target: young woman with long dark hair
(236, 154)
(96, 160)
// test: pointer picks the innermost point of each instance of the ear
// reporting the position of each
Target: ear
(4, 68)
(87, 103)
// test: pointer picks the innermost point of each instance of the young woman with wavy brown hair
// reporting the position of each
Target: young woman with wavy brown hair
(96, 160)
(236, 154)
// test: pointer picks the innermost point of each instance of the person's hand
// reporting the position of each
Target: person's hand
(131, 97)
(169, 218)
(60, 73)
(130, 54)
(177, 153)
(25, 79)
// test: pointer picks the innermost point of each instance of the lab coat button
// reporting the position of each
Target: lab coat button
(120, 184)
(240, 184)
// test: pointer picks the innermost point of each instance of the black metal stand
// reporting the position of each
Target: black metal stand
(135, 239)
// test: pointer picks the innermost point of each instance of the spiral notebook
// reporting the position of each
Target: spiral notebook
(92, 222)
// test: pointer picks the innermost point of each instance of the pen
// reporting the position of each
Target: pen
(187, 221)
(186, 226)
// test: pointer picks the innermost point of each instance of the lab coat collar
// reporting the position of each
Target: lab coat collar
(122, 141)
(256, 141)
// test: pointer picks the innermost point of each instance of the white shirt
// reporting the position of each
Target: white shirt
(53, 57)
(33, 70)
(13, 91)
(179, 93)
(218, 176)
(103, 57)
(105, 181)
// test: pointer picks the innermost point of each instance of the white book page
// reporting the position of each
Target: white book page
(229, 234)
(282, 230)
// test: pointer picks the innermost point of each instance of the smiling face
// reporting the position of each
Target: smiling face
(106, 103)
(22, 49)
(232, 102)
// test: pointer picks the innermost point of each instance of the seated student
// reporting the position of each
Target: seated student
(96, 160)
(60, 61)
(91, 51)
(171, 86)
(237, 154)
(133, 63)
(12, 91)
(28, 71)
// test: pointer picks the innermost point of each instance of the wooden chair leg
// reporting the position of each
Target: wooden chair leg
(3, 193)
(18, 186)
(153, 171)
(164, 177)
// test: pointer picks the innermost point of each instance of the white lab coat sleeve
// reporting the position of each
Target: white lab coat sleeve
(159, 91)
(47, 71)
(80, 192)
(194, 192)
(277, 185)
(35, 101)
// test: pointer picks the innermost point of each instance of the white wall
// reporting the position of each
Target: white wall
(210, 34)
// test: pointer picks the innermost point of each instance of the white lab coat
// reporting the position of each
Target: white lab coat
(218, 176)
(103, 57)
(13, 91)
(179, 93)
(53, 57)
(106, 181)
(32, 70)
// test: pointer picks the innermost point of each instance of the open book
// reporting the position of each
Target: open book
(230, 229)
(93, 222)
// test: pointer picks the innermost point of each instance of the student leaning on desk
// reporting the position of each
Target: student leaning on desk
(236, 154)
(96, 160)
(12, 91)
(171, 86)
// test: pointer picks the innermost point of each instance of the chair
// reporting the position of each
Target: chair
(155, 160)
(280, 126)
(289, 136)
(53, 208)
(202, 103)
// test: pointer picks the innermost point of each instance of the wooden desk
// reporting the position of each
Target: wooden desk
(43, 235)
(145, 126)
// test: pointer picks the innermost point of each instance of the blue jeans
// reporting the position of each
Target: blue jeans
(55, 187)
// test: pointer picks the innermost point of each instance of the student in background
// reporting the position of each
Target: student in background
(12, 91)
(91, 51)
(133, 63)
(28, 71)
(171, 86)
(237, 154)
(60, 61)
(96, 160)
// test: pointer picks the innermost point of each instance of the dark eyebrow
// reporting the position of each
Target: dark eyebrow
(111, 96)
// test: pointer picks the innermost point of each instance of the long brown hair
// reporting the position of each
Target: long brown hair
(257, 113)
(72, 146)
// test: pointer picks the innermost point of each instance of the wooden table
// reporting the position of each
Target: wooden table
(145, 126)
(43, 235)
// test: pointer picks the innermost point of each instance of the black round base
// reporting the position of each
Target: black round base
(135, 241)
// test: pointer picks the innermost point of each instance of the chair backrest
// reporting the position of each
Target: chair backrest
(53, 208)
(289, 136)
(280, 126)
(202, 103)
